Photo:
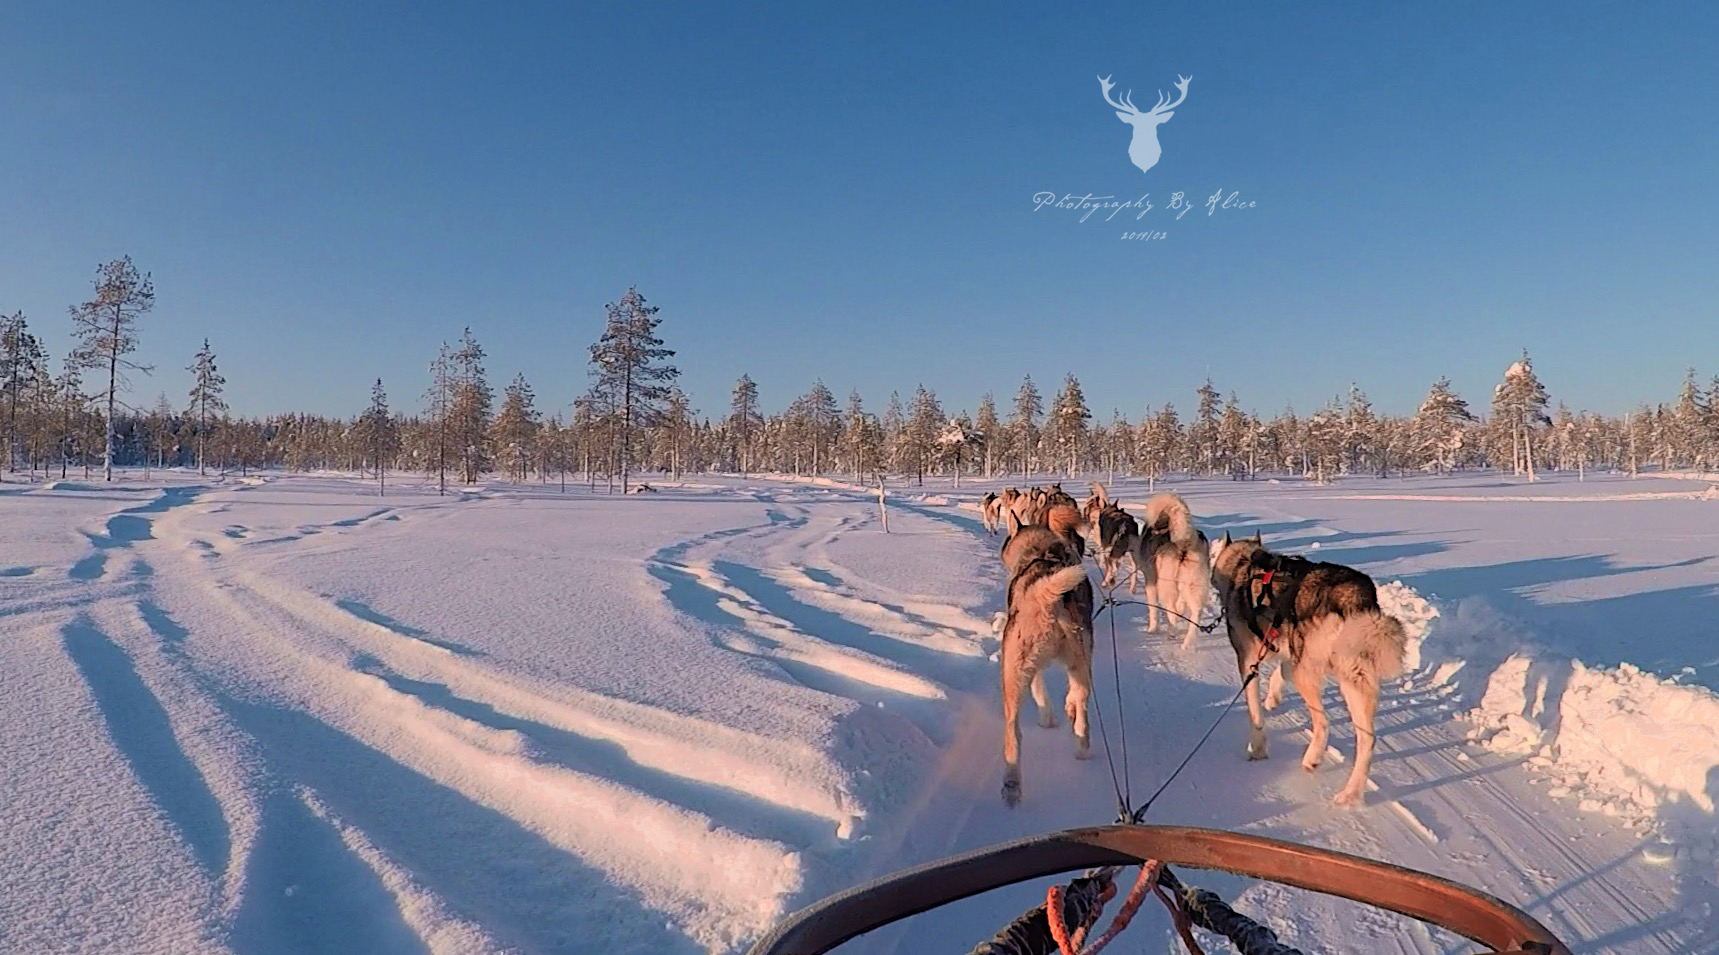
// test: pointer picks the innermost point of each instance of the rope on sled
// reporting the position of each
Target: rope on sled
(1081, 903)
(1046, 930)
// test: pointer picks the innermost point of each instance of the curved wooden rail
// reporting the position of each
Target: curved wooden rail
(1472, 914)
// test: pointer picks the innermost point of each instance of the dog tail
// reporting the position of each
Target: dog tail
(1167, 511)
(1057, 585)
(1371, 645)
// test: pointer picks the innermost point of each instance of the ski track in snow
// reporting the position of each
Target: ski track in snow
(227, 729)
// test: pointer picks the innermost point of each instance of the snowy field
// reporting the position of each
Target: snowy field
(284, 715)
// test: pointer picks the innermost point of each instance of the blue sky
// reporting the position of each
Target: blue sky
(328, 190)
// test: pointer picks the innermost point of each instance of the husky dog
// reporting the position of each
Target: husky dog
(1048, 620)
(1063, 517)
(1114, 533)
(991, 509)
(1322, 619)
(1174, 558)
(1025, 506)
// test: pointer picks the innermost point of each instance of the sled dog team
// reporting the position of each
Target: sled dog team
(1315, 619)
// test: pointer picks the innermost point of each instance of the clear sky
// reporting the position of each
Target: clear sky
(327, 190)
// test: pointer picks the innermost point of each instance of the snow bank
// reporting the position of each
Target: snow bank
(1416, 614)
(1627, 742)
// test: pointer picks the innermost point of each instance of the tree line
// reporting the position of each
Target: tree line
(633, 419)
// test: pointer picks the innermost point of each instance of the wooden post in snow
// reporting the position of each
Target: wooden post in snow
(882, 508)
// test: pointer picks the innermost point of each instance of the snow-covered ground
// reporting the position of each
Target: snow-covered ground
(283, 715)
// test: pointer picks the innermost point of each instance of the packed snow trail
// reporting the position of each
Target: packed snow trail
(285, 716)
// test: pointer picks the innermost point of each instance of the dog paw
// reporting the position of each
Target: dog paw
(1256, 749)
(1271, 702)
(1310, 764)
(997, 621)
(1349, 799)
(1011, 793)
(1048, 720)
(1083, 752)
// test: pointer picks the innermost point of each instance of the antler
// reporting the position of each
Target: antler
(1181, 84)
(1127, 104)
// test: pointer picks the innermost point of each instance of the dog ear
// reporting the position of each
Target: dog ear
(1256, 538)
(1226, 541)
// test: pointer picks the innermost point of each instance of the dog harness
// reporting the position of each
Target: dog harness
(1265, 602)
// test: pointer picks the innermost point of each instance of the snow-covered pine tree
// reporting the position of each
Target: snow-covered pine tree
(469, 412)
(1361, 425)
(1690, 420)
(744, 421)
(584, 434)
(1203, 433)
(634, 363)
(23, 363)
(514, 433)
(822, 422)
(1326, 436)
(893, 429)
(990, 430)
(854, 435)
(924, 423)
(379, 435)
(1232, 437)
(1711, 425)
(1067, 425)
(71, 412)
(1116, 445)
(206, 401)
(1518, 406)
(1440, 425)
(676, 425)
(1024, 423)
(438, 401)
(106, 330)
(1159, 440)
(955, 442)
(162, 432)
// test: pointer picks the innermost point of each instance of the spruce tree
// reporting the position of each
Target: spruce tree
(1203, 434)
(990, 431)
(206, 400)
(924, 423)
(1023, 424)
(514, 433)
(1067, 426)
(744, 420)
(379, 435)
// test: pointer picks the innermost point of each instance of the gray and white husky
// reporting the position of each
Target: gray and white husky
(1319, 619)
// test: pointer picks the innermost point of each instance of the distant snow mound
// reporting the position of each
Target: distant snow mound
(69, 486)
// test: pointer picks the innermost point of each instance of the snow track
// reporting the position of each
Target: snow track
(281, 717)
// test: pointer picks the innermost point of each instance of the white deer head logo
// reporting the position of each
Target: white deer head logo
(1144, 149)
